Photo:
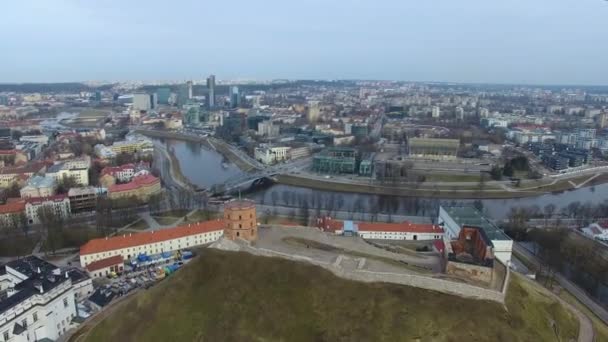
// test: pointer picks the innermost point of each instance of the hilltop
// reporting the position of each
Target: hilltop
(227, 296)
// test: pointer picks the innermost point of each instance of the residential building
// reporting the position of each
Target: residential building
(153, 242)
(40, 303)
(382, 231)
(60, 171)
(81, 283)
(597, 231)
(9, 175)
(38, 186)
(453, 218)
(141, 187)
(12, 213)
(59, 205)
(435, 112)
(41, 138)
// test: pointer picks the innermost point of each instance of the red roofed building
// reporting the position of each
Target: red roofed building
(10, 213)
(57, 205)
(141, 187)
(154, 242)
(383, 231)
(104, 267)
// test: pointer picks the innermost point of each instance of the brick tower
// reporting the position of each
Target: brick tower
(241, 221)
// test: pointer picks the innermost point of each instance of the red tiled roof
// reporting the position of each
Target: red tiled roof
(38, 200)
(137, 182)
(103, 263)
(399, 227)
(328, 224)
(139, 239)
(111, 170)
(12, 207)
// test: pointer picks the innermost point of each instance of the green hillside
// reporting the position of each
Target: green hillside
(223, 296)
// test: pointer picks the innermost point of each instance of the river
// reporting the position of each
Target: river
(205, 167)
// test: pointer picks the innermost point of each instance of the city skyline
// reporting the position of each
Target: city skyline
(540, 42)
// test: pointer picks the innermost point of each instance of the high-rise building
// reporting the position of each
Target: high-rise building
(189, 84)
(141, 101)
(436, 112)
(211, 93)
(235, 97)
(163, 95)
(153, 101)
(183, 93)
(3, 100)
(314, 111)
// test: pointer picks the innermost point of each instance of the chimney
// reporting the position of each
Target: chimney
(38, 285)
(66, 275)
(38, 270)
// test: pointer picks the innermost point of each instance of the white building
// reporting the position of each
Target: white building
(383, 231)
(597, 231)
(154, 242)
(436, 112)
(60, 171)
(40, 303)
(38, 186)
(105, 267)
(268, 129)
(58, 204)
(270, 155)
(41, 138)
(141, 101)
(452, 219)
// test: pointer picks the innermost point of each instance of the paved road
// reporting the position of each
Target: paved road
(576, 291)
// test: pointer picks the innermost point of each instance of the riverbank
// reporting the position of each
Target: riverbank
(446, 191)
(211, 143)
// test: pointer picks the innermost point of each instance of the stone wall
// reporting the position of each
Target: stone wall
(420, 281)
(477, 273)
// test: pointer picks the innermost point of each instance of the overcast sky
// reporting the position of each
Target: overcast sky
(508, 41)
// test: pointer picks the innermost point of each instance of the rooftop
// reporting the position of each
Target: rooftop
(137, 182)
(103, 263)
(41, 182)
(12, 207)
(139, 239)
(239, 204)
(469, 216)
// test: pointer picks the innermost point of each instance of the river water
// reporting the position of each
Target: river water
(205, 167)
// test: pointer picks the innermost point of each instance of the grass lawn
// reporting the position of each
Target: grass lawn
(92, 113)
(446, 177)
(224, 296)
(139, 225)
(165, 220)
(601, 329)
(18, 245)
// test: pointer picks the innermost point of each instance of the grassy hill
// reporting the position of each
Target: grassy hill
(225, 296)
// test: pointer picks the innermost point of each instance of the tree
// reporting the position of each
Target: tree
(52, 221)
(549, 210)
(66, 183)
(508, 170)
(305, 213)
(496, 172)
(274, 197)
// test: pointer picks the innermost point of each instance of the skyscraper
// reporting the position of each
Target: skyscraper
(141, 101)
(235, 97)
(182, 94)
(211, 94)
(163, 95)
(314, 111)
(189, 83)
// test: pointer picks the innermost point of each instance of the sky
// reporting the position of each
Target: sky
(478, 41)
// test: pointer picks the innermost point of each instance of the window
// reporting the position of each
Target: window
(65, 301)
(239, 217)
(5, 335)
(35, 316)
(24, 323)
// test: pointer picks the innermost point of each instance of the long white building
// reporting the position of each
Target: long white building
(452, 219)
(39, 304)
(154, 242)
